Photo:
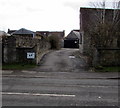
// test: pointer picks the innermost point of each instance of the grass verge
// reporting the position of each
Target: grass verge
(107, 69)
(17, 66)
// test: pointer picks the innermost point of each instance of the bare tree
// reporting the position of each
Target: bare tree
(105, 24)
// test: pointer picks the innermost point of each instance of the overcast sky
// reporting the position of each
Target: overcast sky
(42, 15)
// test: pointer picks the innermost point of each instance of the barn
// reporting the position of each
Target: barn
(72, 39)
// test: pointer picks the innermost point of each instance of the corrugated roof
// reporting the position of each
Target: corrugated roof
(23, 31)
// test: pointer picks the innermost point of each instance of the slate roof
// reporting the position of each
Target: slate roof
(77, 34)
(23, 31)
(73, 35)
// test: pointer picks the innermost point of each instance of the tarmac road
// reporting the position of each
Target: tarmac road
(59, 92)
(60, 80)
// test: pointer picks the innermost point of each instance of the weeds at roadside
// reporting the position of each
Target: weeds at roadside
(107, 69)
(17, 66)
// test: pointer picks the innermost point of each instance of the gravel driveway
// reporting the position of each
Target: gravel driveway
(64, 60)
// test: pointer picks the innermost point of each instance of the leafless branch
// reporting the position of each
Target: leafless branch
(101, 30)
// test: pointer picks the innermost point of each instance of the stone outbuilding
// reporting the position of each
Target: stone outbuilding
(59, 34)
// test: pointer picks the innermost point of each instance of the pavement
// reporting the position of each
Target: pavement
(90, 75)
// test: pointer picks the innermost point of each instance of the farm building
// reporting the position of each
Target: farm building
(72, 39)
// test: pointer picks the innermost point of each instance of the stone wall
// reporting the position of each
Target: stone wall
(21, 55)
(9, 49)
(107, 57)
(41, 48)
(16, 49)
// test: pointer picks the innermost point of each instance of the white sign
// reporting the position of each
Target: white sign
(71, 57)
(30, 55)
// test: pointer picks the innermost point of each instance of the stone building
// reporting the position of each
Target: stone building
(90, 18)
(60, 34)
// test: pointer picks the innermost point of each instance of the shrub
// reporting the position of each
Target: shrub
(54, 42)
